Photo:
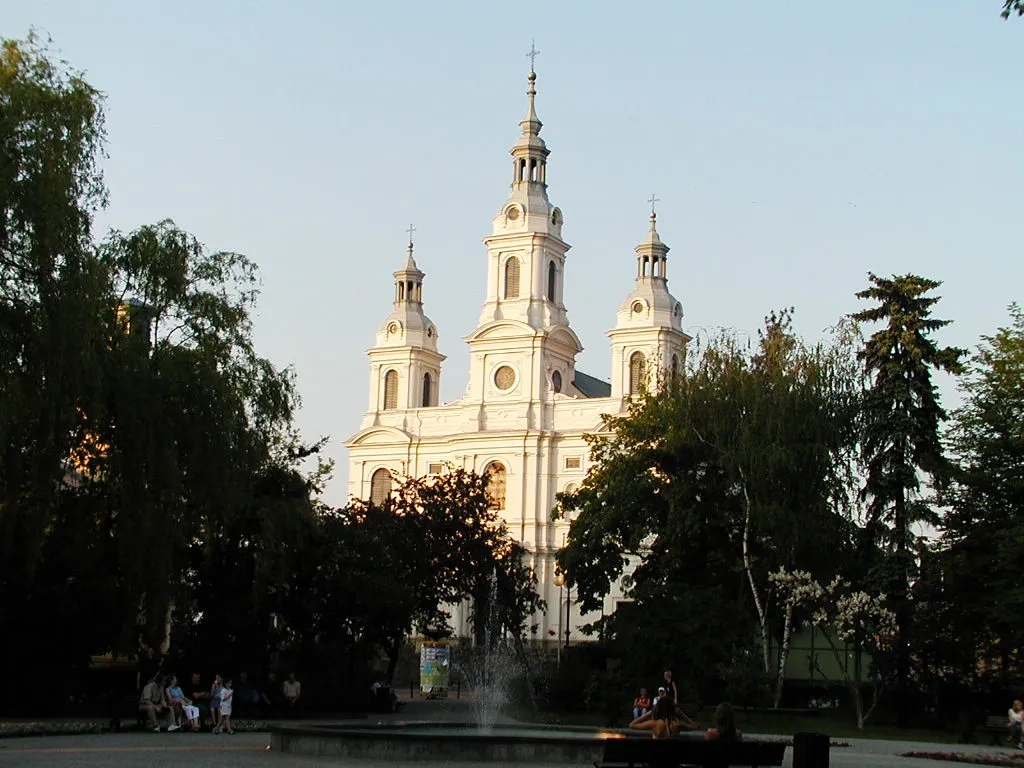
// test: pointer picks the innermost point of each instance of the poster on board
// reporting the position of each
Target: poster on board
(435, 668)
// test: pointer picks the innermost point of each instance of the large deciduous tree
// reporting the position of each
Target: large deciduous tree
(709, 484)
(51, 286)
(383, 570)
(900, 435)
(983, 556)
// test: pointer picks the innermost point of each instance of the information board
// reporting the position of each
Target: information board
(435, 668)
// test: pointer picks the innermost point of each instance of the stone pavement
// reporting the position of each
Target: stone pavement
(167, 750)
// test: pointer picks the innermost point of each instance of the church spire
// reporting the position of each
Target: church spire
(652, 254)
(529, 164)
(409, 278)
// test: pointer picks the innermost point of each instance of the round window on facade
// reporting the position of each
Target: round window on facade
(504, 378)
(393, 329)
(638, 307)
(556, 381)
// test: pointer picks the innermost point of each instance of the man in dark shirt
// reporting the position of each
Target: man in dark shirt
(200, 695)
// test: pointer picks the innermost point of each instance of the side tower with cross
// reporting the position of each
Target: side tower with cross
(648, 341)
(405, 366)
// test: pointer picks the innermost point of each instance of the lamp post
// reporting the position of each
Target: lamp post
(559, 582)
(568, 609)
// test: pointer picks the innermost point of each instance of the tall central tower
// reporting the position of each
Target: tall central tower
(524, 308)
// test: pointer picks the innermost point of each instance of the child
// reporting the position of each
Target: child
(226, 696)
(215, 702)
(641, 704)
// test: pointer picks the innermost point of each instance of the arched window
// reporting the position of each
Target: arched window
(391, 390)
(637, 373)
(675, 366)
(427, 383)
(496, 475)
(551, 281)
(380, 486)
(512, 278)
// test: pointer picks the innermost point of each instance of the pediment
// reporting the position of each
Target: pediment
(502, 329)
(379, 436)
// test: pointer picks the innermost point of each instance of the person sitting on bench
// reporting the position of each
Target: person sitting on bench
(1015, 719)
(153, 702)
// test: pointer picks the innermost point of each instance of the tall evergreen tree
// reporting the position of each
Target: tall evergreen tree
(900, 434)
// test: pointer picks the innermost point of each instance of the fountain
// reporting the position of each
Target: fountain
(492, 670)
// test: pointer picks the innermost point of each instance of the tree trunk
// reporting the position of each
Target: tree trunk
(393, 648)
(762, 613)
(858, 705)
(780, 672)
(902, 611)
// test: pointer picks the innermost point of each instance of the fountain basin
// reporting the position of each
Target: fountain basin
(449, 742)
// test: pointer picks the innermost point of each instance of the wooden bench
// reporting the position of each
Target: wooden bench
(997, 725)
(670, 753)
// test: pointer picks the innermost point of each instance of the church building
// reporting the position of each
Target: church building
(526, 407)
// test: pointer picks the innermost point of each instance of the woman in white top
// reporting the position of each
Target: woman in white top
(1015, 722)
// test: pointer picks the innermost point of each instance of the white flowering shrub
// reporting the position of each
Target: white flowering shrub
(847, 618)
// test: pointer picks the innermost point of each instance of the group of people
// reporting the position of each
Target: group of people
(162, 698)
(664, 719)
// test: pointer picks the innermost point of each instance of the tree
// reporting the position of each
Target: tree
(900, 437)
(1011, 7)
(145, 443)
(852, 619)
(712, 482)
(51, 286)
(435, 542)
(982, 541)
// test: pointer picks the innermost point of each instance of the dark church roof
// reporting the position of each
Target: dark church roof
(591, 387)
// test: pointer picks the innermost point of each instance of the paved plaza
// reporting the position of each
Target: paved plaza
(126, 750)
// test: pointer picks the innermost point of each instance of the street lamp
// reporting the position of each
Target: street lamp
(559, 582)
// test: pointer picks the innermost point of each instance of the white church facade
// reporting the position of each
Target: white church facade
(526, 407)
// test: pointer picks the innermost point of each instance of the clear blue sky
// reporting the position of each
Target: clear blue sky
(794, 145)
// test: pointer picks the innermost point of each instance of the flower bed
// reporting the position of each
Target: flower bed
(990, 758)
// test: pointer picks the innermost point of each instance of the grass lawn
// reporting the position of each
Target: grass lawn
(838, 725)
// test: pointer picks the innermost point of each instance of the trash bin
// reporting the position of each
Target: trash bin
(810, 750)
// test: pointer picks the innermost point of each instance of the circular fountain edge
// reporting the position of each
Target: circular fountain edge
(444, 741)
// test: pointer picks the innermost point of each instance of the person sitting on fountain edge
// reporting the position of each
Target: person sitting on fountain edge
(665, 720)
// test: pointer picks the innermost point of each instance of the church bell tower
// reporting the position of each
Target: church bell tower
(405, 366)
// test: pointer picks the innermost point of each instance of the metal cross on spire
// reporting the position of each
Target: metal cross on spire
(410, 230)
(652, 200)
(533, 53)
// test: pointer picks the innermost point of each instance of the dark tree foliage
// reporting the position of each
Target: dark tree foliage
(138, 424)
(384, 570)
(1011, 7)
(900, 438)
(983, 555)
(706, 486)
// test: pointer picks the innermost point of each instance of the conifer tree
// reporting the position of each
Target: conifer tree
(900, 433)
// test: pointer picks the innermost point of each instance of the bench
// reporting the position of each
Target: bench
(670, 753)
(997, 725)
